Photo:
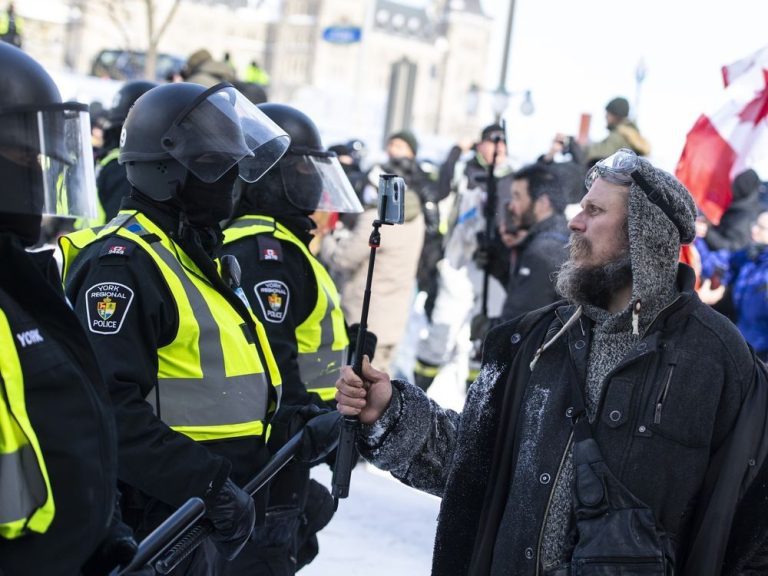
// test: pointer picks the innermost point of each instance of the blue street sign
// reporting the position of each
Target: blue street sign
(342, 34)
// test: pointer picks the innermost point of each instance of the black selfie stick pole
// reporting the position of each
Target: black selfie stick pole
(490, 221)
(346, 453)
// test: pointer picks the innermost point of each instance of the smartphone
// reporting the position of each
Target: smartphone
(391, 199)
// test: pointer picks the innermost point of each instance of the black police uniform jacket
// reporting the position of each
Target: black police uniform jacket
(69, 410)
(686, 466)
(160, 467)
(265, 258)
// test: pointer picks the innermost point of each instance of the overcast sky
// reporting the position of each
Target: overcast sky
(577, 55)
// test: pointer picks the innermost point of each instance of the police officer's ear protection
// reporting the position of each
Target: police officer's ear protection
(160, 180)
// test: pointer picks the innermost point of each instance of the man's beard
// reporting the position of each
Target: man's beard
(594, 285)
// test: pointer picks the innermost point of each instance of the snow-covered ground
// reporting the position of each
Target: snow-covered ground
(384, 528)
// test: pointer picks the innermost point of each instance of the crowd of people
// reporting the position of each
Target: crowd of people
(200, 316)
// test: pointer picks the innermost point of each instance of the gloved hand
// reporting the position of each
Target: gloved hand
(319, 437)
(116, 549)
(482, 257)
(369, 346)
(479, 327)
(232, 513)
(319, 428)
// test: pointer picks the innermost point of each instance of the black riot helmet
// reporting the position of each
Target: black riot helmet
(179, 128)
(124, 99)
(308, 177)
(46, 159)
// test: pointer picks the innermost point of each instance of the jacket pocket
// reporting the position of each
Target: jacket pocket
(684, 399)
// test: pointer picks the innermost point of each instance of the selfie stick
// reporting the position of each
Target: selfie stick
(346, 453)
(490, 220)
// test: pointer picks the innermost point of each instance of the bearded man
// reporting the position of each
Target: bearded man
(619, 431)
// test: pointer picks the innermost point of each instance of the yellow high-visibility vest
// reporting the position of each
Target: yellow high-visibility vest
(26, 500)
(212, 382)
(5, 23)
(322, 338)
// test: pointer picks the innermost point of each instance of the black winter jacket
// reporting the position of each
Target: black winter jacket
(691, 359)
(70, 412)
(161, 468)
(528, 281)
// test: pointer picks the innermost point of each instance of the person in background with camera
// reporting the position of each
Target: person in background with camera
(532, 246)
(619, 431)
(622, 133)
(565, 159)
(460, 280)
(296, 300)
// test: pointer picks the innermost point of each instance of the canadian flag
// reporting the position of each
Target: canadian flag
(722, 145)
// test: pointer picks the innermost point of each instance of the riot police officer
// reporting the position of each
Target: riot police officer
(57, 433)
(111, 181)
(296, 299)
(192, 376)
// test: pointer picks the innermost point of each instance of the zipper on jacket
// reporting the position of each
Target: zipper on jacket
(549, 501)
(662, 395)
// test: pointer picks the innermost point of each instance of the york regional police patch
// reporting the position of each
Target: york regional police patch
(273, 297)
(107, 304)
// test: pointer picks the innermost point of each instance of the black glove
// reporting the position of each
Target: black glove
(319, 437)
(116, 549)
(479, 327)
(369, 346)
(232, 513)
(482, 258)
(319, 427)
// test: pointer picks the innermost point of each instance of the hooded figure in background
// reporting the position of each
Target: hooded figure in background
(734, 230)
(615, 431)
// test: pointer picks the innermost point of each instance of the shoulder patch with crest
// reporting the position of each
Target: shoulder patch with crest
(273, 297)
(116, 247)
(107, 305)
(269, 248)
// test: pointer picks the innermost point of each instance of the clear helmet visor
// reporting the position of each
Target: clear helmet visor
(616, 169)
(46, 161)
(317, 182)
(223, 128)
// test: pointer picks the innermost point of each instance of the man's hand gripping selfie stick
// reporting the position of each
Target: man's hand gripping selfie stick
(391, 211)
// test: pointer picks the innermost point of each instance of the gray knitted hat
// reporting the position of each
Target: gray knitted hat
(656, 231)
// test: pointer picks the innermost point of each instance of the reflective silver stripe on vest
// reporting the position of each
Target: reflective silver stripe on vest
(250, 221)
(214, 399)
(320, 369)
(22, 488)
(119, 220)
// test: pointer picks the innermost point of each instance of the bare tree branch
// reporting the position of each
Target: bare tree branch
(154, 35)
(167, 21)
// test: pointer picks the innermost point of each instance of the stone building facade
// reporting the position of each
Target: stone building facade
(332, 58)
